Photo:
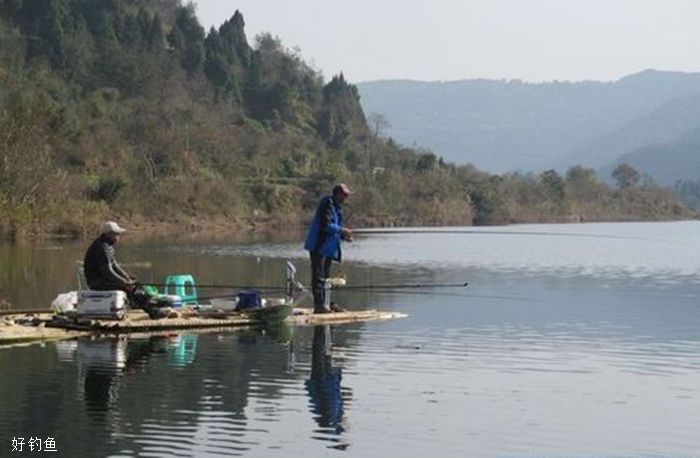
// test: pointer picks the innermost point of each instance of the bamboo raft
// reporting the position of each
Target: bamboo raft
(12, 334)
(17, 329)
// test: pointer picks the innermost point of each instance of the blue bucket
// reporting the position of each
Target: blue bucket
(249, 300)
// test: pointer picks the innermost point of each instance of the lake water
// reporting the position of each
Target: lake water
(571, 340)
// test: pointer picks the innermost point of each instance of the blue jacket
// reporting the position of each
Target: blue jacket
(326, 229)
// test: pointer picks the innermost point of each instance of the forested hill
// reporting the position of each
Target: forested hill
(130, 109)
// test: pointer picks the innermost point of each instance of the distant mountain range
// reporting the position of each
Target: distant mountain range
(668, 162)
(650, 119)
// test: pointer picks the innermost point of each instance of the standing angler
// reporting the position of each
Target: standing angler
(323, 243)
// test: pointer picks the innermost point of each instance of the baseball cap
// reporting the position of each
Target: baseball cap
(110, 227)
(342, 188)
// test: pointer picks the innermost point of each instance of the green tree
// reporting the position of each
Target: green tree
(426, 162)
(235, 43)
(215, 64)
(12, 47)
(626, 176)
(553, 185)
(28, 177)
(581, 183)
(487, 200)
(187, 38)
(156, 35)
(341, 117)
(45, 22)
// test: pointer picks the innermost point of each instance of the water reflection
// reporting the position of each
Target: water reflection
(102, 363)
(182, 350)
(326, 395)
(210, 394)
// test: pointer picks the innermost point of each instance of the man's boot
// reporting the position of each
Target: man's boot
(335, 308)
(158, 313)
(321, 309)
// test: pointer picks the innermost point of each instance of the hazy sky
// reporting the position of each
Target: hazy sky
(533, 40)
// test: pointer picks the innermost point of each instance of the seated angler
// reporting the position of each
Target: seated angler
(103, 272)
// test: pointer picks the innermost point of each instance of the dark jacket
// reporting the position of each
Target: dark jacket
(100, 265)
(325, 231)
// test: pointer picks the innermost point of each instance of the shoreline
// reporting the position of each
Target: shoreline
(268, 227)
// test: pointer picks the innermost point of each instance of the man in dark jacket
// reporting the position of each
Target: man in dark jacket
(324, 243)
(103, 272)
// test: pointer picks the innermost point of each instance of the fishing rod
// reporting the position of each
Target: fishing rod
(406, 286)
(421, 293)
(260, 287)
(279, 288)
(380, 288)
(23, 311)
(226, 296)
(449, 231)
(462, 295)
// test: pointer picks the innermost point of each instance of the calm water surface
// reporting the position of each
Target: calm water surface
(571, 340)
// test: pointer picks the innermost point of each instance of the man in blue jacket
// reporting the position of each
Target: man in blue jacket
(323, 243)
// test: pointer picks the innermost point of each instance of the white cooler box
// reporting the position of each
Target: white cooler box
(102, 304)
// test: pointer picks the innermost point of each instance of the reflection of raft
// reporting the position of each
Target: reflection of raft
(52, 327)
(17, 334)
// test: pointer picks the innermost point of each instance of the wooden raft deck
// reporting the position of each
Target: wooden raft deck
(307, 317)
(57, 328)
(16, 334)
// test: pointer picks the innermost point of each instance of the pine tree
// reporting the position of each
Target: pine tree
(233, 38)
(341, 117)
(187, 38)
(156, 35)
(215, 64)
